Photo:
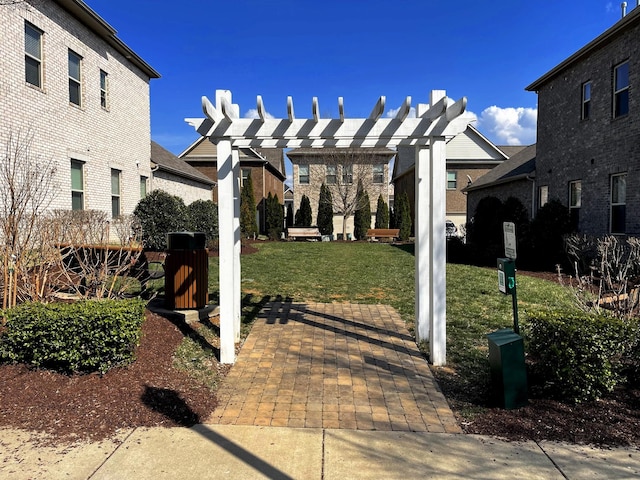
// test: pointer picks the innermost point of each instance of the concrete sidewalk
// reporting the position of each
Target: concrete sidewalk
(252, 452)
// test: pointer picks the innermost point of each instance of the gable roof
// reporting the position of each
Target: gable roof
(106, 32)
(629, 20)
(470, 147)
(521, 165)
(166, 161)
(511, 150)
(202, 150)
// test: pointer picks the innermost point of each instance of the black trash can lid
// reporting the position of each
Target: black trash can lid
(186, 240)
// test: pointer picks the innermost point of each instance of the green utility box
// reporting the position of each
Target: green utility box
(508, 371)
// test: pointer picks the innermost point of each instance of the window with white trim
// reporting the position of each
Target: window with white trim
(586, 100)
(303, 174)
(244, 174)
(75, 80)
(543, 195)
(575, 202)
(104, 90)
(77, 185)
(618, 215)
(332, 175)
(378, 173)
(144, 181)
(452, 180)
(115, 193)
(621, 90)
(33, 55)
(347, 174)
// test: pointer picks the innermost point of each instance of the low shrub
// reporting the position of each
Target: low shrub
(577, 356)
(82, 337)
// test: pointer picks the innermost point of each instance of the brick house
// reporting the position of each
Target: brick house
(266, 167)
(469, 156)
(340, 170)
(82, 95)
(514, 177)
(177, 177)
(588, 141)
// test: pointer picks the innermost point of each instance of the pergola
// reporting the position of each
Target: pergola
(427, 132)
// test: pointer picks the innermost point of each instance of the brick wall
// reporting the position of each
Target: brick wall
(117, 137)
(571, 149)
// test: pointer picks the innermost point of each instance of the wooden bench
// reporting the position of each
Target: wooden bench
(388, 233)
(303, 232)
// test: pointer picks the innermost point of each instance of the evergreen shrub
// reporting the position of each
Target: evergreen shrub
(577, 356)
(160, 213)
(82, 337)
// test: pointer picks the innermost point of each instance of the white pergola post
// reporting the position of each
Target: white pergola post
(226, 245)
(237, 276)
(427, 132)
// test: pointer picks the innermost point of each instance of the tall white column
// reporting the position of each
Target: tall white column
(226, 244)
(422, 242)
(237, 272)
(437, 234)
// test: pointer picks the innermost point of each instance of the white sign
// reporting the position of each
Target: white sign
(509, 229)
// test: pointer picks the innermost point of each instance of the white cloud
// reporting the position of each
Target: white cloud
(253, 113)
(394, 111)
(509, 126)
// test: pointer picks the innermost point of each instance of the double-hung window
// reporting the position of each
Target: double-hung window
(244, 174)
(303, 174)
(347, 174)
(378, 173)
(618, 203)
(75, 80)
(575, 202)
(332, 176)
(452, 180)
(543, 195)
(33, 55)
(621, 90)
(586, 100)
(115, 193)
(104, 90)
(143, 186)
(77, 185)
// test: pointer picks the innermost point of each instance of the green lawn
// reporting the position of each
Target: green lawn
(383, 273)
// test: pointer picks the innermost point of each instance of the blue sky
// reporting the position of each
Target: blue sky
(357, 49)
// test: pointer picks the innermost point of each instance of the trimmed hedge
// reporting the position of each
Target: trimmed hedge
(578, 356)
(82, 337)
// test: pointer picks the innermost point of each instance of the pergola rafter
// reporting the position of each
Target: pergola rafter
(434, 122)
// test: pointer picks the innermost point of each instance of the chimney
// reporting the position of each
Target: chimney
(623, 6)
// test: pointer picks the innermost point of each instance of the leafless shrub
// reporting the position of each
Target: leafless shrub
(607, 273)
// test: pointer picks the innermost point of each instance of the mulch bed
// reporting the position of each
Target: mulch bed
(150, 392)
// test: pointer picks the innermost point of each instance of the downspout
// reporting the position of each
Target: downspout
(533, 194)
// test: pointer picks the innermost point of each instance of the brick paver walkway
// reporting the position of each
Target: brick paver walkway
(332, 366)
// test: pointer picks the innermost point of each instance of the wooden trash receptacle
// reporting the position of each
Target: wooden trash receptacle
(186, 271)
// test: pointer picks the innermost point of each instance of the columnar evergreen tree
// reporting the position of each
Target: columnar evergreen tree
(403, 216)
(304, 216)
(382, 213)
(274, 217)
(248, 224)
(392, 218)
(289, 215)
(325, 211)
(362, 216)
